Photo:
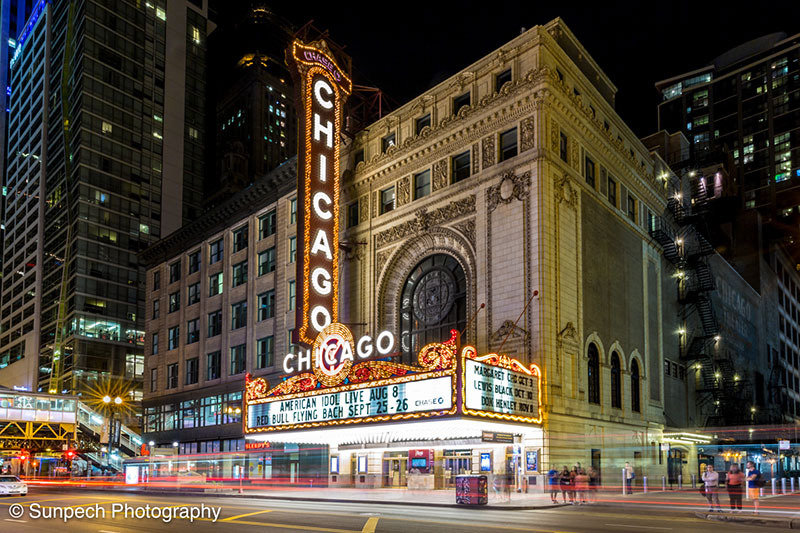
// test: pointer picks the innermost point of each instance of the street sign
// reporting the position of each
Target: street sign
(784, 445)
(665, 446)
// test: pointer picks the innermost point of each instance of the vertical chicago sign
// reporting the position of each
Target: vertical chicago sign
(322, 88)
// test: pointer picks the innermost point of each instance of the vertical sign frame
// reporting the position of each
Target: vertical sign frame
(322, 88)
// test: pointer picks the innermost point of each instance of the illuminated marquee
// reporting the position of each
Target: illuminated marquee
(322, 89)
(497, 386)
(342, 391)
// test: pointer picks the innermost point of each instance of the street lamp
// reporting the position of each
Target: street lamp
(111, 405)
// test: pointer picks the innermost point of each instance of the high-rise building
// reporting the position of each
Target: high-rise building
(89, 184)
(746, 103)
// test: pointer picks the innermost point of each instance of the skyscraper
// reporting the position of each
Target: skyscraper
(102, 94)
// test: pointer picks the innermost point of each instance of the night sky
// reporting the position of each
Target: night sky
(404, 48)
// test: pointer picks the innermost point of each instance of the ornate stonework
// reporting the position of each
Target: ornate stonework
(574, 153)
(510, 187)
(489, 151)
(439, 178)
(426, 220)
(476, 164)
(363, 208)
(527, 133)
(564, 192)
(403, 191)
(508, 328)
(468, 230)
(381, 258)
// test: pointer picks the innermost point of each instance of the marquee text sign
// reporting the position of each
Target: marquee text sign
(322, 88)
(391, 399)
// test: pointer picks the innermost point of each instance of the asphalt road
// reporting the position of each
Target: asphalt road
(105, 513)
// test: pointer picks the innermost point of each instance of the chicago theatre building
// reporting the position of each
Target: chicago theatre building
(487, 299)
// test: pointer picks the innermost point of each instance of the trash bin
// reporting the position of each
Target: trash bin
(472, 490)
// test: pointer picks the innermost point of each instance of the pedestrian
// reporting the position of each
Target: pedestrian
(734, 485)
(629, 477)
(573, 475)
(594, 483)
(581, 485)
(711, 481)
(754, 484)
(565, 482)
(552, 481)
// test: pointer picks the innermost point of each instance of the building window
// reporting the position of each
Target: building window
(239, 315)
(156, 280)
(266, 225)
(265, 352)
(460, 167)
(215, 250)
(616, 388)
(293, 211)
(292, 249)
(193, 331)
(422, 184)
(588, 169)
(213, 365)
(387, 142)
(194, 262)
(352, 215)
(175, 272)
(421, 123)
(155, 343)
(174, 301)
(153, 379)
(387, 200)
(239, 273)
(632, 208)
(238, 354)
(215, 284)
(508, 144)
(432, 303)
(174, 339)
(459, 102)
(156, 308)
(266, 261)
(635, 384)
(240, 238)
(358, 157)
(612, 191)
(266, 305)
(193, 293)
(214, 323)
(172, 376)
(501, 79)
(562, 147)
(192, 370)
(107, 127)
(593, 375)
(291, 294)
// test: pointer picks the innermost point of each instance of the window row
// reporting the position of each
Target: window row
(616, 384)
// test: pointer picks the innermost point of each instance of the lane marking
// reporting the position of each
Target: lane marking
(371, 524)
(243, 515)
(106, 531)
(12, 520)
(290, 526)
(640, 527)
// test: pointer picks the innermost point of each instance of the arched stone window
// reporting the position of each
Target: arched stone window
(433, 301)
(616, 389)
(594, 374)
(635, 386)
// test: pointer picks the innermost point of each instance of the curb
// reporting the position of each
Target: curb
(311, 499)
(786, 523)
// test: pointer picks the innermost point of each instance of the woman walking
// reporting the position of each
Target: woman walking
(734, 483)
(566, 485)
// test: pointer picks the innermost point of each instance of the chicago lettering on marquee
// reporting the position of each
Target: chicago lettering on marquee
(322, 88)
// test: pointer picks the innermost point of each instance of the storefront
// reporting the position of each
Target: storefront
(390, 425)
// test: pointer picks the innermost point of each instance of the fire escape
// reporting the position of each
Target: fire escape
(720, 397)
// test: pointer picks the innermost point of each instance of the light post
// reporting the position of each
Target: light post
(112, 405)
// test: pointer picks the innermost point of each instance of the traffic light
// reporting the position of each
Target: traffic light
(23, 456)
(70, 455)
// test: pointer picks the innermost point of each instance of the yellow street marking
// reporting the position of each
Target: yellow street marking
(246, 514)
(290, 526)
(370, 526)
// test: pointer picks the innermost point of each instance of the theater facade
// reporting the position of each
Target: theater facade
(467, 285)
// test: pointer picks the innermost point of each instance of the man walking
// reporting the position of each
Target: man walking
(629, 475)
(711, 480)
(753, 484)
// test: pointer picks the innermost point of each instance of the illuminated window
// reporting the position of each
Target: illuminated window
(265, 349)
(593, 375)
(422, 184)
(266, 305)
(387, 142)
(213, 365)
(459, 102)
(107, 128)
(387, 200)
(432, 303)
(422, 122)
(196, 35)
(460, 167)
(292, 295)
(215, 284)
(238, 358)
(174, 338)
(501, 79)
(616, 388)
(174, 301)
(239, 273)
(508, 144)
(193, 133)
(239, 315)
(293, 211)
(588, 170)
(160, 13)
(214, 323)
(192, 370)
(266, 261)
(352, 215)
(193, 331)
